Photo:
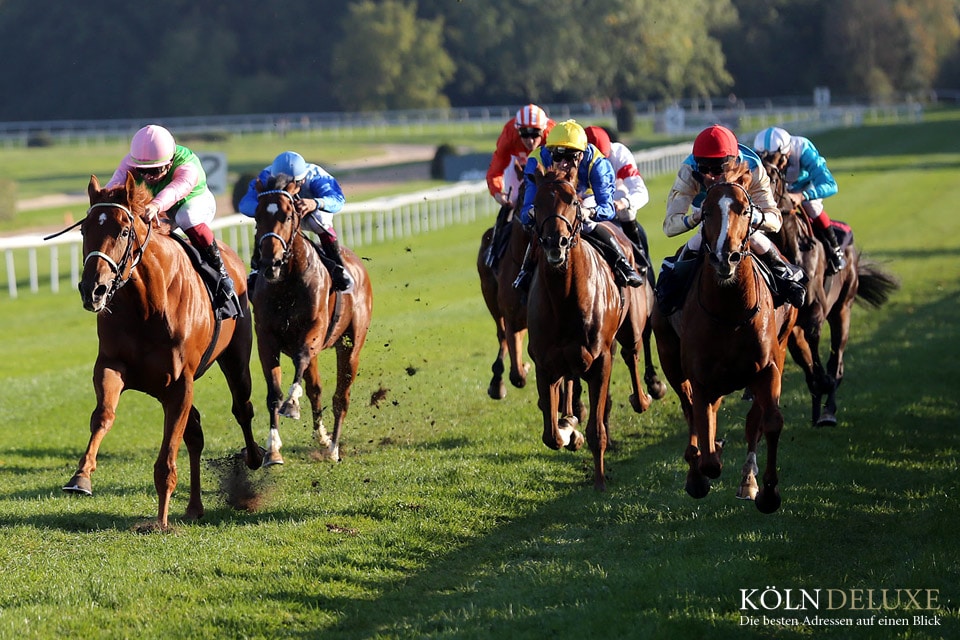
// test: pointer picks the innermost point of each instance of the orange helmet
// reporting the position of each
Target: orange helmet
(715, 142)
(530, 116)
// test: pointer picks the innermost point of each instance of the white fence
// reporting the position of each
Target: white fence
(359, 224)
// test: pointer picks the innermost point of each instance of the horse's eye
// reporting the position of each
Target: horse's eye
(125, 233)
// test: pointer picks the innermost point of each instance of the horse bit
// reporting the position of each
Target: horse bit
(119, 267)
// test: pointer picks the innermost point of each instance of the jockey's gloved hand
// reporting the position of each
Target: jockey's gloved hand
(590, 213)
(756, 216)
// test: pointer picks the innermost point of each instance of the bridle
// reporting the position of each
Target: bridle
(131, 256)
(573, 228)
(287, 244)
(743, 248)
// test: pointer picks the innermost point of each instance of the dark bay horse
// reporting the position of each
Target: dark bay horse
(727, 336)
(298, 314)
(829, 299)
(158, 333)
(506, 305)
(575, 313)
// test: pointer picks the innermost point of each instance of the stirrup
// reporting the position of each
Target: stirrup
(835, 261)
(522, 283)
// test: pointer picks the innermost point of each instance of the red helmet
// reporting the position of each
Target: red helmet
(715, 142)
(598, 137)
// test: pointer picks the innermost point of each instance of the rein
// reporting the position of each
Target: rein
(119, 267)
(573, 227)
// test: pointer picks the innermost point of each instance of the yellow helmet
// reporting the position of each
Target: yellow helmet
(568, 134)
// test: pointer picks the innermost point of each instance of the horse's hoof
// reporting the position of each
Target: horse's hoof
(272, 458)
(637, 405)
(253, 463)
(698, 486)
(497, 392)
(519, 381)
(79, 485)
(291, 411)
(576, 441)
(827, 420)
(656, 389)
(768, 500)
(748, 487)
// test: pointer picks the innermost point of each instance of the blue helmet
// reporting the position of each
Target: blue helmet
(289, 163)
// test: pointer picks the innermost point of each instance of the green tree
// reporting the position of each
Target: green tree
(387, 58)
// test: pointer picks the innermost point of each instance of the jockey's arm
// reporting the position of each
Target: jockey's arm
(680, 218)
(821, 183)
(325, 189)
(185, 178)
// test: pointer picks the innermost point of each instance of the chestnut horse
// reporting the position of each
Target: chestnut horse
(575, 312)
(298, 314)
(727, 336)
(506, 304)
(158, 333)
(829, 299)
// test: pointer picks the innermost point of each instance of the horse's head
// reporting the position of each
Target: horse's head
(726, 223)
(778, 186)
(558, 215)
(114, 237)
(277, 224)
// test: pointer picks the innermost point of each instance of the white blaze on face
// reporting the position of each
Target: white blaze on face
(724, 205)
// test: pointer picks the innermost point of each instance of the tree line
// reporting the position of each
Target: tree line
(117, 59)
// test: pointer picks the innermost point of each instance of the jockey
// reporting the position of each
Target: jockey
(175, 177)
(567, 147)
(808, 182)
(520, 135)
(319, 199)
(631, 191)
(716, 154)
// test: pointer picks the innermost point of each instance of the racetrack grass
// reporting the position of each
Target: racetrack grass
(448, 518)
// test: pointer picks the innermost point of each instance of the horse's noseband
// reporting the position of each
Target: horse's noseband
(118, 268)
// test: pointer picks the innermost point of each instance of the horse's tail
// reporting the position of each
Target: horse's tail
(875, 285)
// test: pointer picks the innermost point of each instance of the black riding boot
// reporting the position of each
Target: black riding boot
(623, 272)
(493, 249)
(254, 267)
(835, 259)
(525, 275)
(342, 280)
(636, 235)
(789, 278)
(211, 255)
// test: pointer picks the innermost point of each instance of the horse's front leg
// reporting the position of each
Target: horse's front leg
(839, 333)
(599, 389)
(497, 389)
(177, 404)
(555, 435)
(518, 368)
(329, 449)
(193, 438)
(749, 472)
(291, 406)
(107, 384)
(655, 387)
(269, 352)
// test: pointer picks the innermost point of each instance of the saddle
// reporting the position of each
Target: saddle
(224, 307)
(843, 232)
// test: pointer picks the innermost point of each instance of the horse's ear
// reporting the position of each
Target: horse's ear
(130, 186)
(259, 185)
(93, 188)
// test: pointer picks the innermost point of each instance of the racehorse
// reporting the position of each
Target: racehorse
(298, 314)
(158, 332)
(506, 304)
(829, 298)
(575, 312)
(727, 336)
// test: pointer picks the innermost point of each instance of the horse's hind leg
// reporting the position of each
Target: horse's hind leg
(655, 387)
(177, 406)
(748, 475)
(193, 438)
(839, 332)
(771, 422)
(234, 362)
(107, 383)
(348, 362)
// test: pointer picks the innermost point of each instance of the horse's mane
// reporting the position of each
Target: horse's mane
(139, 198)
(279, 181)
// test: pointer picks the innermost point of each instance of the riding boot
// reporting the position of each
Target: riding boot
(623, 272)
(211, 255)
(835, 259)
(525, 275)
(493, 249)
(254, 267)
(636, 235)
(342, 280)
(789, 278)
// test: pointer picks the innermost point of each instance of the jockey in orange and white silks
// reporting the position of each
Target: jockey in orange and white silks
(520, 135)
(808, 180)
(175, 177)
(320, 197)
(716, 155)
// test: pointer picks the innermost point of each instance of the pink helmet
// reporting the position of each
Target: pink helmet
(152, 146)
(531, 116)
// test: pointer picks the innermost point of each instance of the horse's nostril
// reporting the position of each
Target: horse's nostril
(735, 257)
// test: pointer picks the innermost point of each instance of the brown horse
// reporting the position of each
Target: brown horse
(829, 299)
(298, 314)
(158, 333)
(727, 336)
(506, 304)
(575, 312)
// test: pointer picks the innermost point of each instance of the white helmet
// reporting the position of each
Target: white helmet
(772, 140)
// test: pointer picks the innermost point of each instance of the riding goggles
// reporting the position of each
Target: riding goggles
(713, 168)
(565, 154)
(530, 132)
(152, 172)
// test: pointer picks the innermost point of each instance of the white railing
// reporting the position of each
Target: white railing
(358, 225)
